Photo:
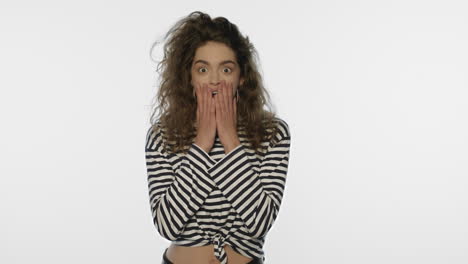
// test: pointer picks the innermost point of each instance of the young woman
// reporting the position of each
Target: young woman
(216, 159)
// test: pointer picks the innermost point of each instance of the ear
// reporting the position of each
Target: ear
(241, 81)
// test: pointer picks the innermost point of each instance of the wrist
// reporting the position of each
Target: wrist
(231, 145)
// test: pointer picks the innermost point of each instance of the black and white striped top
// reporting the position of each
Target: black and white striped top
(215, 198)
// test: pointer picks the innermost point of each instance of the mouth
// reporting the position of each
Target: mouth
(213, 93)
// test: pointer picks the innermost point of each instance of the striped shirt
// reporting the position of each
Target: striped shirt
(200, 198)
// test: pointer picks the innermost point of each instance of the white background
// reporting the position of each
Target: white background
(374, 93)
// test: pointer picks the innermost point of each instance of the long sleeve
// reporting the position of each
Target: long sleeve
(256, 194)
(176, 193)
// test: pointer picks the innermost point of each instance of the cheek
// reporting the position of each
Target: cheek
(194, 82)
(197, 79)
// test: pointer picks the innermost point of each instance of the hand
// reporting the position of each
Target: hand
(206, 122)
(226, 116)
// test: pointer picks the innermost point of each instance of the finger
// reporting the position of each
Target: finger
(218, 99)
(229, 90)
(216, 102)
(222, 99)
(208, 99)
(234, 106)
(235, 112)
(197, 92)
(212, 103)
(201, 100)
(206, 92)
(229, 97)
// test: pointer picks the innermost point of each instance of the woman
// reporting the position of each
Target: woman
(216, 160)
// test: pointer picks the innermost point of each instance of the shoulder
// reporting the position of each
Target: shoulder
(278, 132)
(154, 136)
(282, 131)
(283, 128)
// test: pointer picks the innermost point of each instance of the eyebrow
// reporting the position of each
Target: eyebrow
(221, 63)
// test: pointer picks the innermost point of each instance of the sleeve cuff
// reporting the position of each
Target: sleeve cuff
(197, 155)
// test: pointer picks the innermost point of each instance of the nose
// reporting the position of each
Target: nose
(214, 80)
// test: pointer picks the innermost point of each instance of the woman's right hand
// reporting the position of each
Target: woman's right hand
(206, 119)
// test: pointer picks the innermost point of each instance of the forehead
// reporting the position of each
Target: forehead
(214, 52)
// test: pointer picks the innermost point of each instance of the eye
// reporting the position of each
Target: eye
(200, 69)
(230, 70)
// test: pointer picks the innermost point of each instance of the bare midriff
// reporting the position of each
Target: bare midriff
(202, 255)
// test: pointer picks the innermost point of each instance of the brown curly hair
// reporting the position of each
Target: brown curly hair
(175, 100)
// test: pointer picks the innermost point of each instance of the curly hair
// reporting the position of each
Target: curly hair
(175, 100)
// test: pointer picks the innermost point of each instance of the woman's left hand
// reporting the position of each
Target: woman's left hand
(226, 116)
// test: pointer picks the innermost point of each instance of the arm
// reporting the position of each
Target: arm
(176, 194)
(256, 195)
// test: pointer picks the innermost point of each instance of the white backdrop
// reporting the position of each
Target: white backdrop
(374, 93)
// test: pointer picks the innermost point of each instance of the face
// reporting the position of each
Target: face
(213, 63)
